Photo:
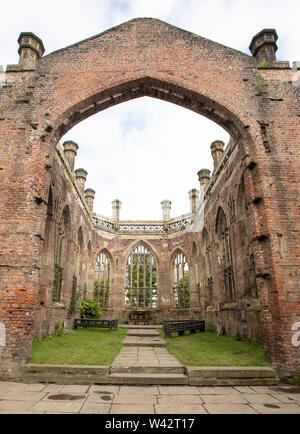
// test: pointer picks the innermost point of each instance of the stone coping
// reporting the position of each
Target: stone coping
(77, 374)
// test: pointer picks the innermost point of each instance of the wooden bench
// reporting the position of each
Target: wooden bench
(111, 324)
(180, 326)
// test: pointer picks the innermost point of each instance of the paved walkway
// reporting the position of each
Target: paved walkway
(144, 348)
(107, 399)
(145, 357)
(125, 399)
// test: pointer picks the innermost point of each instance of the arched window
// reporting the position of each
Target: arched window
(78, 253)
(181, 292)
(141, 285)
(102, 280)
(195, 274)
(246, 251)
(88, 260)
(61, 254)
(205, 248)
(225, 254)
(48, 224)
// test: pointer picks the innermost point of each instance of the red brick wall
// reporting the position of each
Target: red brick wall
(259, 108)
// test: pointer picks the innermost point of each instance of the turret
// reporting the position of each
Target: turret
(80, 175)
(70, 152)
(217, 152)
(166, 207)
(194, 199)
(263, 46)
(89, 196)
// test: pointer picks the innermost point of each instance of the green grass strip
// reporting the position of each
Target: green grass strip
(89, 346)
(208, 349)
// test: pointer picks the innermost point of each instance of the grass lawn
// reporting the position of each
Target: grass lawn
(208, 349)
(89, 346)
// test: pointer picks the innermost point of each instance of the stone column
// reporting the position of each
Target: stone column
(204, 178)
(80, 175)
(116, 207)
(194, 199)
(70, 152)
(31, 49)
(263, 46)
(166, 207)
(89, 196)
(217, 152)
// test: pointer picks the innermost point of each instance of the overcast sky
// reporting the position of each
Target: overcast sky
(144, 151)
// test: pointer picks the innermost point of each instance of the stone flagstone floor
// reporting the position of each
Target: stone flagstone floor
(23, 398)
(108, 399)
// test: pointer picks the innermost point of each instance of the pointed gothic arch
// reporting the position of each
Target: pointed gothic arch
(61, 255)
(141, 278)
(180, 276)
(49, 220)
(244, 246)
(102, 278)
(88, 261)
(207, 272)
(177, 66)
(225, 254)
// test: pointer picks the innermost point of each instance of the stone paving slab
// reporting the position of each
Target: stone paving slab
(143, 332)
(178, 400)
(232, 398)
(244, 389)
(278, 409)
(22, 395)
(18, 406)
(146, 378)
(75, 389)
(6, 385)
(263, 398)
(132, 409)
(134, 399)
(229, 409)
(145, 357)
(100, 398)
(111, 399)
(64, 397)
(178, 390)
(105, 389)
(139, 390)
(57, 406)
(217, 390)
(94, 408)
(294, 396)
(144, 341)
(35, 387)
(284, 399)
(53, 388)
(183, 409)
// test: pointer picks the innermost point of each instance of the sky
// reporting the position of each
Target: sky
(146, 150)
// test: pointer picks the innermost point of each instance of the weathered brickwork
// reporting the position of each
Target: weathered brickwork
(243, 260)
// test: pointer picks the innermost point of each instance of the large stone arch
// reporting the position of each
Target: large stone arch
(146, 57)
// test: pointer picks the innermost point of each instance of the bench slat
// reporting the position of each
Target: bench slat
(173, 326)
(96, 323)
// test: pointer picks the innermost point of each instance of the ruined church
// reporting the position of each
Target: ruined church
(232, 259)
